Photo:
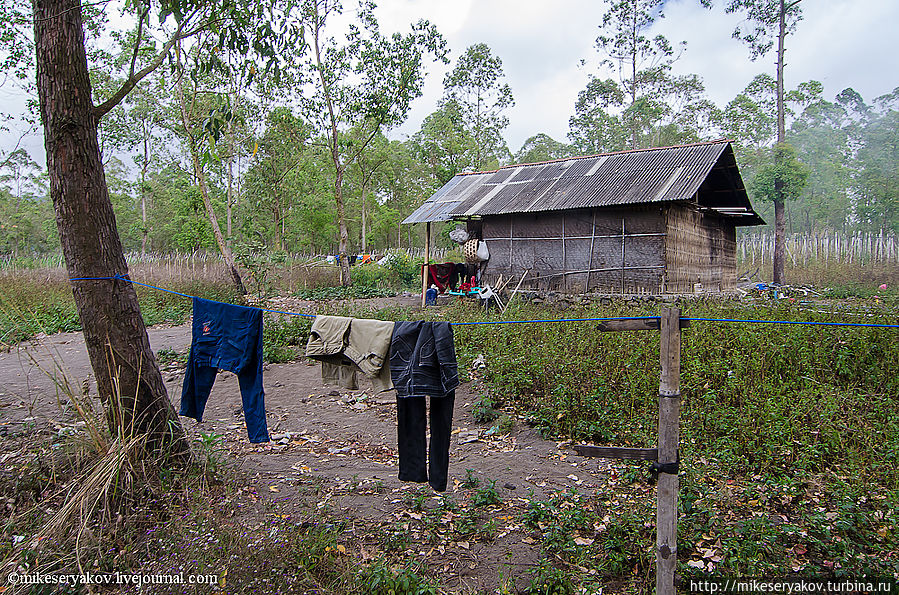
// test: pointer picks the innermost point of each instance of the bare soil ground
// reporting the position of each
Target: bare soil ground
(333, 455)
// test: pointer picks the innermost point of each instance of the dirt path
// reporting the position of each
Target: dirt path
(334, 452)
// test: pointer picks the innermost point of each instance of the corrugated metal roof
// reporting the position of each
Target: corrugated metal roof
(644, 176)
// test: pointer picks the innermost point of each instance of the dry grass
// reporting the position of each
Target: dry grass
(96, 478)
(827, 274)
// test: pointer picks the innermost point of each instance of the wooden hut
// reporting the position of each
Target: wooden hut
(659, 220)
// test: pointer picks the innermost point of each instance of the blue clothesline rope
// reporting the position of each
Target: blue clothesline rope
(793, 322)
(855, 324)
(556, 320)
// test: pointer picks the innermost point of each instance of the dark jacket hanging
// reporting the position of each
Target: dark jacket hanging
(423, 363)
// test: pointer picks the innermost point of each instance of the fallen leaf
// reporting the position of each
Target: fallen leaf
(800, 550)
(528, 540)
(583, 541)
(274, 489)
(463, 544)
(696, 564)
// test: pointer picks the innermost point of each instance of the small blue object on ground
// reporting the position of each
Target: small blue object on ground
(431, 297)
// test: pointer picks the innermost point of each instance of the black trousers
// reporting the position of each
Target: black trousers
(415, 464)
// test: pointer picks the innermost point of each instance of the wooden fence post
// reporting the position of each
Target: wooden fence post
(668, 459)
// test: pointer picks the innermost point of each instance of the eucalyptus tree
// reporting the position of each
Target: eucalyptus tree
(365, 82)
(366, 174)
(268, 182)
(542, 147)
(877, 180)
(770, 21)
(645, 104)
(476, 89)
(444, 143)
(23, 205)
(125, 369)
(595, 127)
(750, 119)
(822, 135)
(203, 115)
(146, 114)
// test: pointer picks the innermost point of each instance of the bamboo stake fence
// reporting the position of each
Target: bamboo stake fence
(804, 249)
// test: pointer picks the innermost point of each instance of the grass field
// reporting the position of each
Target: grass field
(790, 447)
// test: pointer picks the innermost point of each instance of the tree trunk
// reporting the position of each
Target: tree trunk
(213, 220)
(278, 221)
(143, 195)
(204, 191)
(333, 142)
(230, 194)
(127, 375)
(344, 237)
(364, 238)
(778, 273)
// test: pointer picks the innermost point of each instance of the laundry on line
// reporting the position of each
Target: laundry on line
(730, 320)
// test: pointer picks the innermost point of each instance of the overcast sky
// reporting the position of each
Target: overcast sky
(842, 43)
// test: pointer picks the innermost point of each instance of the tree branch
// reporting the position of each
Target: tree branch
(137, 40)
(364, 145)
(105, 107)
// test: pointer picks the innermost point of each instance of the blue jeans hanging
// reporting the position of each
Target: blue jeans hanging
(226, 337)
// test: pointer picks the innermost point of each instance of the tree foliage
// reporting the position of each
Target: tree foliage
(645, 104)
(264, 134)
(367, 82)
(477, 95)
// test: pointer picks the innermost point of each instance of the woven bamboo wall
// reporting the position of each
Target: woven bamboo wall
(700, 252)
(604, 250)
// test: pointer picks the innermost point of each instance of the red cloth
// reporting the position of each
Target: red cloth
(442, 275)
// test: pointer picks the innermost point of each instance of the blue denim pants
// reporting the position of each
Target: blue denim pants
(420, 461)
(226, 337)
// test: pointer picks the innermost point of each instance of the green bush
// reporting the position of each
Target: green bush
(760, 397)
(284, 338)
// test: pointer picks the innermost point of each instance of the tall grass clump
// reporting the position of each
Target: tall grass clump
(39, 302)
(92, 488)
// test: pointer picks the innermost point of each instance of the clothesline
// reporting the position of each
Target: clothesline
(728, 320)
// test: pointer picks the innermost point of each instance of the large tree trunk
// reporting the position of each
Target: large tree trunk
(127, 375)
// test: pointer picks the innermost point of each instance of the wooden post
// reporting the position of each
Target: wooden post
(424, 268)
(564, 256)
(622, 255)
(669, 433)
(590, 262)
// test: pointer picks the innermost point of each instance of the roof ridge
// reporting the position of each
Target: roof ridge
(511, 165)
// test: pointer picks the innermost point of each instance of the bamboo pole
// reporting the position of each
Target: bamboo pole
(424, 268)
(622, 255)
(564, 255)
(669, 434)
(590, 262)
